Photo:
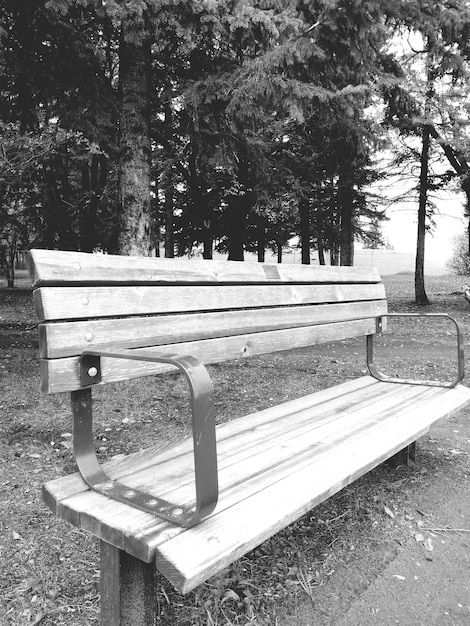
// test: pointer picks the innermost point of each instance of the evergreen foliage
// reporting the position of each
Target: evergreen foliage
(213, 125)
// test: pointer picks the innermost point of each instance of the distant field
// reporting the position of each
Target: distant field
(386, 261)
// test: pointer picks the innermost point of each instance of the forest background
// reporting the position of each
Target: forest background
(199, 127)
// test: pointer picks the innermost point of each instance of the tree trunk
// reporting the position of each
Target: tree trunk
(134, 141)
(94, 182)
(202, 214)
(169, 225)
(240, 206)
(305, 231)
(321, 253)
(9, 269)
(261, 237)
(465, 185)
(236, 223)
(279, 252)
(208, 240)
(334, 254)
(420, 292)
(347, 219)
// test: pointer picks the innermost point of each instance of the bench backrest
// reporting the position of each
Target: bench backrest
(214, 310)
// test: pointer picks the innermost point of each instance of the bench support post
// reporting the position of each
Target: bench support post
(128, 589)
(407, 456)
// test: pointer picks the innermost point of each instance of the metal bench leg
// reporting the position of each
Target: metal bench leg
(407, 456)
(128, 589)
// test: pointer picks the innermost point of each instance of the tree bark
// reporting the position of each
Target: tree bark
(202, 215)
(321, 253)
(334, 253)
(236, 223)
(305, 231)
(169, 224)
(207, 239)
(240, 206)
(261, 240)
(420, 291)
(465, 185)
(347, 220)
(134, 141)
(93, 182)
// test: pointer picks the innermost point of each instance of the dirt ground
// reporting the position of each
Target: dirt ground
(393, 548)
(416, 572)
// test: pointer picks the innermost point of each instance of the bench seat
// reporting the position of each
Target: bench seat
(274, 465)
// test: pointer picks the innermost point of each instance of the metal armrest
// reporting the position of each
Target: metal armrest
(203, 425)
(434, 383)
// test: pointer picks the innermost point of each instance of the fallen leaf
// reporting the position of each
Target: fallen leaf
(389, 512)
(230, 594)
(419, 537)
(428, 544)
(399, 577)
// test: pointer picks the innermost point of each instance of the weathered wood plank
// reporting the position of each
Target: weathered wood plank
(256, 428)
(61, 339)
(245, 470)
(72, 484)
(246, 467)
(128, 589)
(191, 557)
(58, 267)
(142, 533)
(66, 303)
(312, 422)
(63, 374)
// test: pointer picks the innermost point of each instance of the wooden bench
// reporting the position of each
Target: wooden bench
(195, 507)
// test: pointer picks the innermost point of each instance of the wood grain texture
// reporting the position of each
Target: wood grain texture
(62, 339)
(325, 440)
(67, 303)
(63, 374)
(53, 267)
(237, 530)
(128, 589)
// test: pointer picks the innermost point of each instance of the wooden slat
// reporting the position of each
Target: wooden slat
(64, 303)
(246, 466)
(246, 474)
(60, 339)
(190, 558)
(63, 374)
(122, 465)
(349, 446)
(130, 529)
(52, 267)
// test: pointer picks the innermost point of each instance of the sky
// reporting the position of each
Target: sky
(401, 230)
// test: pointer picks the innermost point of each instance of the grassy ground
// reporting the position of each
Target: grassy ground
(49, 570)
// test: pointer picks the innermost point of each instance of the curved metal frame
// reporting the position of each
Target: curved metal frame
(433, 383)
(204, 439)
